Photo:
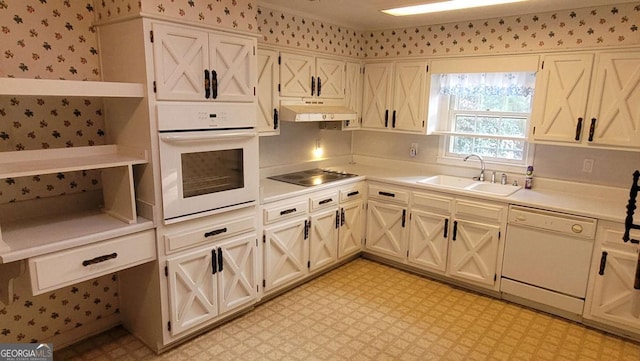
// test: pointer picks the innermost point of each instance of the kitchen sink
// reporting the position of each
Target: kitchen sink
(447, 181)
(493, 188)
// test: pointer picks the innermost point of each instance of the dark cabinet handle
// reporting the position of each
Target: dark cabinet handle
(307, 224)
(207, 84)
(313, 85)
(603, 263)
(288, 211)
(631, 208)
(220, 260)
(337, 219)
(393, 120)
(446, 228)
(386, 118)
(214, 263)
(404, 217)
(579, 129)
(342, 217)
(215, 232)
(325, 201)
(214, 84)
(319, 86)
(354, 193)
(99, 259)
(592, 129)
(455, 230)
(275, 118)
(387, 194)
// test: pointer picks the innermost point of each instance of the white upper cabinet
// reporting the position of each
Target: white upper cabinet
(194, 64)
(353, 94)
(304, 76)
(395, 96)
(587, 99)
(268, 76)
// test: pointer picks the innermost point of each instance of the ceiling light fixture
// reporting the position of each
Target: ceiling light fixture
(444, 6)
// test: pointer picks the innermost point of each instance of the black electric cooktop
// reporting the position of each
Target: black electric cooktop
(312, 177)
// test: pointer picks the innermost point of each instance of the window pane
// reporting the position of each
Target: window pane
(468, 102)
(513, 126)
(465, 124)
(488, 125)
(461, 145)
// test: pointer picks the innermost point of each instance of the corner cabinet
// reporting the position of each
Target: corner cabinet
(196, 64)
(588, 99)
(89, 233)
(395, 96)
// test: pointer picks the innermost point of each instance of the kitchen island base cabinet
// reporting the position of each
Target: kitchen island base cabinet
(211, 281)
(611, 296)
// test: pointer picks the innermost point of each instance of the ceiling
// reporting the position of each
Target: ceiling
(366, 15)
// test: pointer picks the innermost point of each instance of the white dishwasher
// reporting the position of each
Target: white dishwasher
(547, 258)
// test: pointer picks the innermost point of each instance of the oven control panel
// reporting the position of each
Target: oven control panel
(193, 116)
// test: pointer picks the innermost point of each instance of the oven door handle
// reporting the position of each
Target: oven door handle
(176, 138)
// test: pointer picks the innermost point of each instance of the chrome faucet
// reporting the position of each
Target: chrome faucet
(481, 178)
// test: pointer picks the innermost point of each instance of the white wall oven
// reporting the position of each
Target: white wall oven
(208, 158)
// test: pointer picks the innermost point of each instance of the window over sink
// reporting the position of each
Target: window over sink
(483, 111)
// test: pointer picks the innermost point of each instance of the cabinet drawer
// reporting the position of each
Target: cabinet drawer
(52, 271)
(321, 202)
(276, 213)
(351, 193)
(210, 233)
(388, 193)
(488, 211)
(433, 201)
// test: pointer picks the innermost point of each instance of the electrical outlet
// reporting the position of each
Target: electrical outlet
(587, 166)
(413, 151)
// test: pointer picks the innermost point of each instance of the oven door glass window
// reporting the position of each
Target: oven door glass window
(212, 172)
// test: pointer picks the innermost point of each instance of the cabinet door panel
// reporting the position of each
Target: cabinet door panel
(614, 297)
(427, 241)
(474, 251)
(286, 253)
(561, 97)
(409, 99)
(385, 229)
(350, 230)
(376, 95)
(614, 100)
(234, 61)
(268, 78)
(331, 75)
(238, 279)
(193, 289)
(323, 241)
(353, 93)
(180, 57)
(295, 75)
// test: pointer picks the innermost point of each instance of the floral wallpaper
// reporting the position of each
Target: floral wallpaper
(596, 27)
(233, 14)
(51, 39)
(305, 33)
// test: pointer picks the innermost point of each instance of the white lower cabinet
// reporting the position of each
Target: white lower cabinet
(286, 253)
(211, 280)
(387, 221)
(474, 251)
(611, 296)
(306, 234)
(429, 231)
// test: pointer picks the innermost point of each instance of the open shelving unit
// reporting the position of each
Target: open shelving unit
(44, 225)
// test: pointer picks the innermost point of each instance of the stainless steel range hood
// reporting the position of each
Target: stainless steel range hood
(315, 111)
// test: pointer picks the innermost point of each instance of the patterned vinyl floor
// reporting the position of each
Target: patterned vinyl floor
(368, 311)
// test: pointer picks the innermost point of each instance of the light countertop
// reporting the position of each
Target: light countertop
(602, 202)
